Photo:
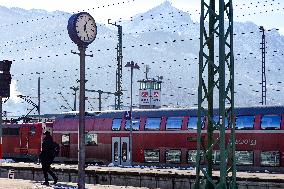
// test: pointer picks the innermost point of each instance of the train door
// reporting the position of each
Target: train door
(120, 151)
(24, 140)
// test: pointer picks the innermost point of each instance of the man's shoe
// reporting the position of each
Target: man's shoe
(45, 183)
(55, 180)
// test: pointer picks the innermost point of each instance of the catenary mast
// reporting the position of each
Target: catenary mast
(216, 82)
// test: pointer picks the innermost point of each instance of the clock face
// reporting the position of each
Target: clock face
(82, 28)
(86, 28)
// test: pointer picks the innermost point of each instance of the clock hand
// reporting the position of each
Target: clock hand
(85, 26)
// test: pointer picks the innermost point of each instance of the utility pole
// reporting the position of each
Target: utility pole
(119, 56)
(263, 78)
(100, 92)
(38, 96)
(132, 66)
(75, 89)
(215, 74)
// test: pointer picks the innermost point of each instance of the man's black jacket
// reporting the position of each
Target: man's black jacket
(47, 154)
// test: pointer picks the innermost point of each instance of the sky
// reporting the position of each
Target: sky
(270, 19)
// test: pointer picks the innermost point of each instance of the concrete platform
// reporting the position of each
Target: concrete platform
(28, 184)
(148, 177)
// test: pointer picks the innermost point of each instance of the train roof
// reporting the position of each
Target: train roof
(175, 112)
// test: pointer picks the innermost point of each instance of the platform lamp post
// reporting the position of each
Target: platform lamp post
(82, 30)
(132, 66)
(75, 89)
(38, 96)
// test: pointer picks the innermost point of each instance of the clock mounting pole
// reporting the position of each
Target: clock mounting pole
(82, 31)
(81, 130)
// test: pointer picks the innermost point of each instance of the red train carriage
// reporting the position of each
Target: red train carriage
(23, 141)
(167, 137)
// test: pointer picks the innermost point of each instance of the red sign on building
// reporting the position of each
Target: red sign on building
(156, 94)
(144, 94)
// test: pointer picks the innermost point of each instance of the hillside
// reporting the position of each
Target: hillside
(164, 38)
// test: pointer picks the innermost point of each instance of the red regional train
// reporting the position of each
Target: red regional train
(161, 137)
(22, 142)
(167, 137)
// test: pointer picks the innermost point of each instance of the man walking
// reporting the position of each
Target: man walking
(46, 157)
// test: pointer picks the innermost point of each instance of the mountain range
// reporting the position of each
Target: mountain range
(164, 37)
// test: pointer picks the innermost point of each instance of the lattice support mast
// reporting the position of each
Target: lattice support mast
(118, 100)
(118, 86)
(263, 76)
(219, 86)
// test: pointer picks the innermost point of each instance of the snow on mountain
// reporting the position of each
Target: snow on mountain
(164, 38)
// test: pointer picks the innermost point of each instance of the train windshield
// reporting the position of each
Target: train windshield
(174, 123)
(244, 122)
(270, 122)
(10, 131)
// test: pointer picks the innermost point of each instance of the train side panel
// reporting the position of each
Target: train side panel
(255, 146)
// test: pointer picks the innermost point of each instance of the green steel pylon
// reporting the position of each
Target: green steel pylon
(220, 81)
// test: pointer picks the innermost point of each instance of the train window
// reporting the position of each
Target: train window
(115, 154)
(244, 122)
(270, 158)
(244, 157)
(191, 156)
(11, 131)
(65, 139)
(91, 139)
(135, 124)
(216, 157)
(32, 130)
(116, 124)
(192, 122)
(270, 122)
(173, 156)
(152, 156)
(153, 123)
(174, 123)
(217, 119)
(124, 151)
